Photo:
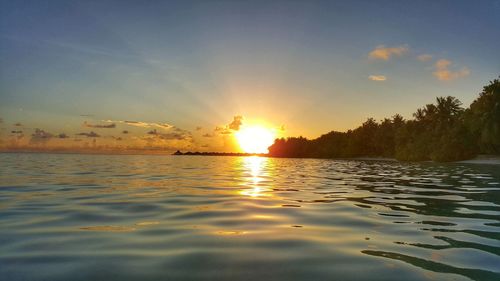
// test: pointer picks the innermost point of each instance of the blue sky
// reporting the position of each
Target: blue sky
(302, 64)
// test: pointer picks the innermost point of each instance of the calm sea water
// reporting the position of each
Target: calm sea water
(96, 217)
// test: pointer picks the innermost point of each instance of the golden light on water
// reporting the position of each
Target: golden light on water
(254, 165)
(255, 139)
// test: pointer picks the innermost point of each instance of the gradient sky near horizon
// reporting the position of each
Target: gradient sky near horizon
(73, 67)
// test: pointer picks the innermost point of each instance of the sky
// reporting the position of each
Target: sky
(167, 75)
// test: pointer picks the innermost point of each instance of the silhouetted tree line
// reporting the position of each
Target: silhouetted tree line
(442, 131)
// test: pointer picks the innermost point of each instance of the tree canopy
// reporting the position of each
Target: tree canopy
(440, 131)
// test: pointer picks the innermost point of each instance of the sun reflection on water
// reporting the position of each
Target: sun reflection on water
(254, 166)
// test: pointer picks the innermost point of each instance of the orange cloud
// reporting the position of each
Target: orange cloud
(377, 77)
(237, 122)
(385, 53)
(444, 73)
(231, 127)
(40, 137)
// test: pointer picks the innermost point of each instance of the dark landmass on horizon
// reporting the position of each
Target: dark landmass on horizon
(197, 153)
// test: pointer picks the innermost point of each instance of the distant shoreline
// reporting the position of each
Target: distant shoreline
(197, 153)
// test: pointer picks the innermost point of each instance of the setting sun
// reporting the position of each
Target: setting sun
(255, 139)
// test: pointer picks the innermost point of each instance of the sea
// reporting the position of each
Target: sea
(151, 217)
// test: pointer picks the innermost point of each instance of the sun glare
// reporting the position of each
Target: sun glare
(255, 139)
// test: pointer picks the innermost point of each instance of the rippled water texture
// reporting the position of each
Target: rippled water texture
(85, 217)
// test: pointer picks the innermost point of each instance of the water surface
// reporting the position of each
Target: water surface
(98, 217)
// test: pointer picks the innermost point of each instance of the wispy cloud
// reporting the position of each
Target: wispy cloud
(222, 130)
(385, 53)
(176, 134)
(377, 77)
(158, 134)
(442, 71)
(424, 57)
(91, 134)
(76, 47)
(141, 124)
(173, 139)
(88, 125)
